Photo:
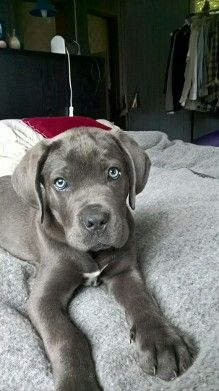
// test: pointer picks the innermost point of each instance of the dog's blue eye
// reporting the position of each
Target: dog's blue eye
(114, 173)
(60, 184)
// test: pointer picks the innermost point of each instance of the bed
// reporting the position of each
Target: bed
(177, 219)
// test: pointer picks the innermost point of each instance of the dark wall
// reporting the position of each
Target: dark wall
(205, 123)
(148, 26)
(7, 13)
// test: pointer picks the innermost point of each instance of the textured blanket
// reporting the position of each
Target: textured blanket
(177, 219)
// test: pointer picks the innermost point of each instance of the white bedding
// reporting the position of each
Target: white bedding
(177, 219)
(15, 139)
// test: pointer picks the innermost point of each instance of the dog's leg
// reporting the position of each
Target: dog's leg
(66, 346)
(160, 347)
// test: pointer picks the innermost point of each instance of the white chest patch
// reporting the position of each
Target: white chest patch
(93, 278)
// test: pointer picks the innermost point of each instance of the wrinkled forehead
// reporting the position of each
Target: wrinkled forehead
(83, 148)
(89, 144)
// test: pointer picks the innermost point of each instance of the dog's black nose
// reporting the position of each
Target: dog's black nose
(95, 219)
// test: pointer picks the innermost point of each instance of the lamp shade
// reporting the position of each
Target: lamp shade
(43, 8)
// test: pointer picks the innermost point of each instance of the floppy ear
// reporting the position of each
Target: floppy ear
(26, 176)
(138, 163)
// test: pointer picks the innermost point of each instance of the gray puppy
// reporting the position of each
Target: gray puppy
(65, 206)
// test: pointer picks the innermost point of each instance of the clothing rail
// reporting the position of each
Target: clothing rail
(203, 13)
(206, 10)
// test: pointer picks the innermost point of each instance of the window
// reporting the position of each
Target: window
(200, 3)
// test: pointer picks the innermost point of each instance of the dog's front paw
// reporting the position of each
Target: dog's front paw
(161, 350)
(84, 383)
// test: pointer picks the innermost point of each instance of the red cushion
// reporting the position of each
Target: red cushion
(51, 126)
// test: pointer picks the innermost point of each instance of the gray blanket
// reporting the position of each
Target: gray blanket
(177, 218)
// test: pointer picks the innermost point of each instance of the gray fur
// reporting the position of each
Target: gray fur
(48, 226)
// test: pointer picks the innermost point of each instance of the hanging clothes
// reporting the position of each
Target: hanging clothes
(179, 62)
(193, 82)
(190, 83)
(202, 59)
(174, 78)
(213, 81)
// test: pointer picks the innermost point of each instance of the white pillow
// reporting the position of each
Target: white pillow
(15, 139)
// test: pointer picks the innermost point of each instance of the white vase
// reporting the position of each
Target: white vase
(13, 41)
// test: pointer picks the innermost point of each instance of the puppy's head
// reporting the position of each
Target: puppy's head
(80, 180)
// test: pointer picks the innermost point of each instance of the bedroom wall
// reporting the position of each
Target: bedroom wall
(144, 28)
(35, 33)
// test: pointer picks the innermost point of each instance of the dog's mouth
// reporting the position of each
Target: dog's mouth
(99, 246)
(85, 242)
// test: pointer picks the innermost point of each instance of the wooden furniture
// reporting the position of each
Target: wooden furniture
(36, 84)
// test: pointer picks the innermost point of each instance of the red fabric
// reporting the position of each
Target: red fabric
(51, 126)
